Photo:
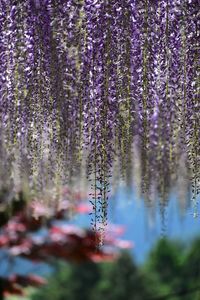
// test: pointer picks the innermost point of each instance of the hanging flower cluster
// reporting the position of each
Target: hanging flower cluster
(98, 87)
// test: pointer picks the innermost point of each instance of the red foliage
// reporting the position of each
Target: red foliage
(15, 283)
(20, 236)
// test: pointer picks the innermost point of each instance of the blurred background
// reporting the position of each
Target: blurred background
(145, 256)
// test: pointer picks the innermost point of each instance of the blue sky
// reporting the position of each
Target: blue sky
(125, 209)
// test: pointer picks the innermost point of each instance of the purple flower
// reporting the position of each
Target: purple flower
(88, 87)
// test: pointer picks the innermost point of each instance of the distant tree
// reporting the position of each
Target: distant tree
(121, 280)
(192, 263)
(174, 271)
(166, 260)
(164, 267)
(191, 271)
(73, 281)
(117, 280)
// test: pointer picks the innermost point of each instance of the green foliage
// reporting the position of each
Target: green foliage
(74, 281)
(174, 271)
(171, 272)
(120, 280)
